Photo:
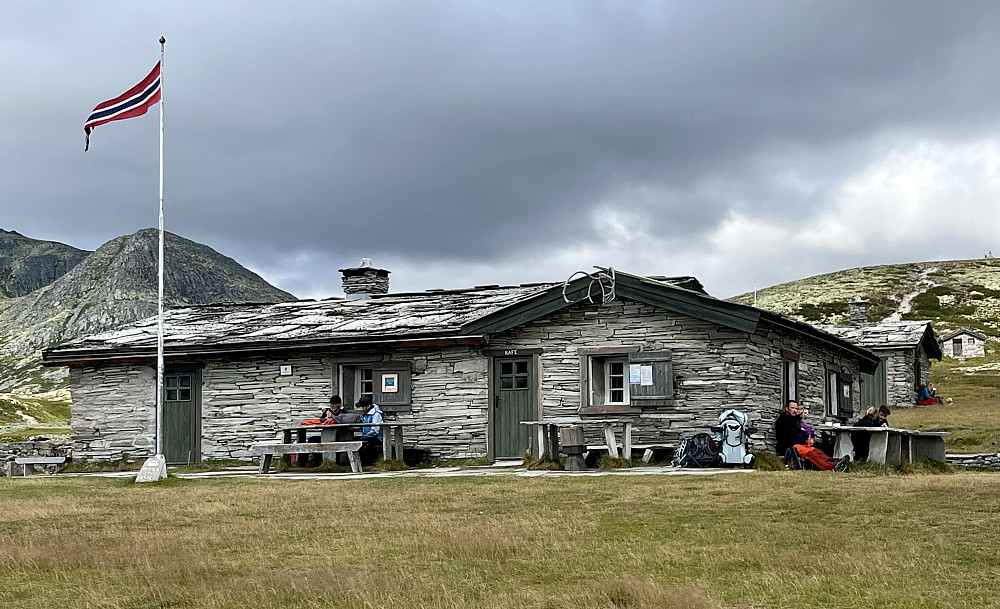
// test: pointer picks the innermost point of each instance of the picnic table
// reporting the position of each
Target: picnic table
(889, 445)
(545, 432)
(392, 435)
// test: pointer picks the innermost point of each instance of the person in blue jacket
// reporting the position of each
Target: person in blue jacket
(370, 435)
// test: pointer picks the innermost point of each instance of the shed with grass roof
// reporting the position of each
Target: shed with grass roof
(465, 366)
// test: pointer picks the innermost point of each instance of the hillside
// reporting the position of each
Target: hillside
(111, 287)
(953, 294)
(28, 264)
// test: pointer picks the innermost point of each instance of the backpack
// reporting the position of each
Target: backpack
(701, 450)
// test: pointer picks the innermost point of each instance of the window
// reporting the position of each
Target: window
(833, 393)
(386, 383)
(839, 397)
(178, 387)
(617, 392)
(514, 375)
(624, 380)
(790, 377)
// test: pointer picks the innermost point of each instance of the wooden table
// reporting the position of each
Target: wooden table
(889, 445)
(545, 441)
(392, 435)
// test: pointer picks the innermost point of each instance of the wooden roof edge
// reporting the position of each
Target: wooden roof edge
(83, 357)
(970, 331)
(868, 361)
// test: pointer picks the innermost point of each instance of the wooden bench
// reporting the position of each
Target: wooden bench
(647, 449)
(266, 451)
(29, 463)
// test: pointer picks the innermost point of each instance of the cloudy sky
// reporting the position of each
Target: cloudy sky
(467, 143)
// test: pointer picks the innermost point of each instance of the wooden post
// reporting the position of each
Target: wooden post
(609, 437)
(627, 439)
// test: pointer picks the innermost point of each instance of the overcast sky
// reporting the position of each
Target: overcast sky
(467, 143)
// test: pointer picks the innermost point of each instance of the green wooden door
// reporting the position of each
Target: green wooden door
(513, 402)
(181, 411)
(873, 388)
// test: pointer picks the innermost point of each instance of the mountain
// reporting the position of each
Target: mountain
(953, 294)
(28, 264)
(111, 287)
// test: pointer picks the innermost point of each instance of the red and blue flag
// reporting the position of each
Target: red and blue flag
(134, 102)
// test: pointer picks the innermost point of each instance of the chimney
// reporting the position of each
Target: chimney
(859, 311)
(365, 280)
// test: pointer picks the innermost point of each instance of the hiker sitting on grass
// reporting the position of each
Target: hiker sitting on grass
(927, 395)
(796, 439)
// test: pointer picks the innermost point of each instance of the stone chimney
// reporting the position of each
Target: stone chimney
(365, 280)
(859, 311)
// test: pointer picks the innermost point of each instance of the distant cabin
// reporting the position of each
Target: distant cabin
(963, 343)
(905, 350)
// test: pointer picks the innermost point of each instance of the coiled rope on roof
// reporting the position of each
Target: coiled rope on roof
(604, 278)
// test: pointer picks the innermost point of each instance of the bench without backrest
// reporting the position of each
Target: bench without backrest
(29, 463)
(266, 451)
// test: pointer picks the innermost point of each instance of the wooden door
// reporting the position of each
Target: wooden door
(513, 402)
(873, 388)
(181, 414)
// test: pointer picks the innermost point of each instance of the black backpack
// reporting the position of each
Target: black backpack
(702, 451)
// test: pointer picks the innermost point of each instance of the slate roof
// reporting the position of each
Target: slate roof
(227, 326)
(968, 331)
(450, 315)
(888, 335)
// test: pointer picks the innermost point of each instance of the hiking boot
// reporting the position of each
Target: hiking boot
(843, 465)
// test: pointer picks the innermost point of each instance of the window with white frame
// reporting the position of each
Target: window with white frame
(624, 378)
(790, 377)
(832, 393)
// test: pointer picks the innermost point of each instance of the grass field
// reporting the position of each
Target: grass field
(974, 417)
(763, 539)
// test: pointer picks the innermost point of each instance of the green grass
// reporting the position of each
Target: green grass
(974, 416)
(756, 540)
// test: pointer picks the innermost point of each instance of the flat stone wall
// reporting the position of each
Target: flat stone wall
(114, 411)
(248, 401)
(900, 374)
(715, 368)
(11, 450)
(980, 460)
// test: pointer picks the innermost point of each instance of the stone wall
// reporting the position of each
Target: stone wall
(715, 368)
(32, 448)
(900, 374)
(249, 401)
(114, 411)
(975, 348)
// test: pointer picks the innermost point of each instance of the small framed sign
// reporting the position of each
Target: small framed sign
(390, 382)
(285, 370)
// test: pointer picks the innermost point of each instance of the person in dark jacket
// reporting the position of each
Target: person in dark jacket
(862, 441)
(794, 443)
(788, 429)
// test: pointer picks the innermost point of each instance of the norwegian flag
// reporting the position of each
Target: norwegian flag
(134, 102)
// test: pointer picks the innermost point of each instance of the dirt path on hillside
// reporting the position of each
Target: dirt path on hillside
(921, 285)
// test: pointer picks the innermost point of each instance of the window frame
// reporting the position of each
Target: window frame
(596, 367)
(789, 358)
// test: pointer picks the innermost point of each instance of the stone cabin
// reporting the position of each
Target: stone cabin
(467, 366)
(963, 344)
(904, 349)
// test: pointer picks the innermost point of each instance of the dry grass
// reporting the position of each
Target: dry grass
(774, 539)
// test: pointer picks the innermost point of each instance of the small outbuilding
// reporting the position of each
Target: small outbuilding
(963, 344)
(904, 349)
(465, 367)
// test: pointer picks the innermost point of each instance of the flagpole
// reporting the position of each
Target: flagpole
(159, 303)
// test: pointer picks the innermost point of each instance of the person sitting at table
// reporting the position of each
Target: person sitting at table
(862, 441)
(341, 414)
(370, 435)
(883, 416)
